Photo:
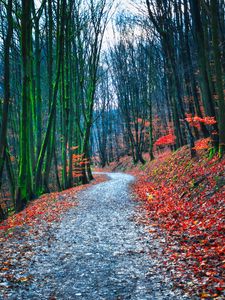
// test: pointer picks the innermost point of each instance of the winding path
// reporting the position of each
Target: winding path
(99, 252)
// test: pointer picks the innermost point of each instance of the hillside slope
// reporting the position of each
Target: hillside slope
(185, 201)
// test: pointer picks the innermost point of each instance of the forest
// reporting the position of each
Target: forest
(135, 86)
(160, 83)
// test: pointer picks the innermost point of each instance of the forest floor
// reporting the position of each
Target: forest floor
(100, 249)
(184, 200)
(104, 243)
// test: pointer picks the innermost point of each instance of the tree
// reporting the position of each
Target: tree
(218, 74)
(25, 180)
(5, 109)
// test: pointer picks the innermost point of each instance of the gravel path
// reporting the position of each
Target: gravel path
(99, 252)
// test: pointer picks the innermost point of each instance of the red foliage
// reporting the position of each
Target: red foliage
(203, 144)
(195, 121)
(186, 199)
(168, 139)
(78, 163)
(144, 123)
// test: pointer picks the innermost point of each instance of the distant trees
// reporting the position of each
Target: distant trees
(108, 134)
(185, 57)
(130, 68)
(134, 72)
(167, 71)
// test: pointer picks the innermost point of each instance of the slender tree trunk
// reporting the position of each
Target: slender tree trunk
(10, 173)
(191, 75)
(6, 101)
(38, 101)
(151, 155)
(219, 76)
(50, 146)
(200, 45)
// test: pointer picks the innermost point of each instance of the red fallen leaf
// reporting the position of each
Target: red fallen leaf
(193, 222)
(205, 295)
(4, 227)
(48, 208)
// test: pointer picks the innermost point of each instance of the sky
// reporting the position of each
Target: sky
(110, 34)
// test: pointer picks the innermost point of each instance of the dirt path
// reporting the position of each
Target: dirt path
(99, 252)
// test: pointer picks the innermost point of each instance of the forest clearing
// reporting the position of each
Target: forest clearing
(112, 141)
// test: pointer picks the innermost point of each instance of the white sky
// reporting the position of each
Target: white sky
(118, 6)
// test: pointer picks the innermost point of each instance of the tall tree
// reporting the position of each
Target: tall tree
(5, 109)
(218, 74)
(25, 180)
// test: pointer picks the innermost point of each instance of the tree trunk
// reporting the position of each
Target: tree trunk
(219, 76)
(24, 191)
(4, 123)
